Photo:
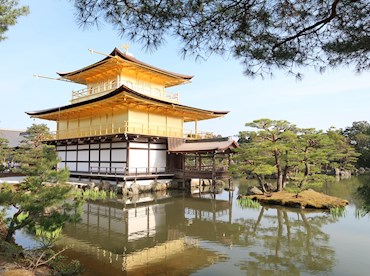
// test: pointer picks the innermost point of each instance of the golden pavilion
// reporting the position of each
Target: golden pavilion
(124, 124)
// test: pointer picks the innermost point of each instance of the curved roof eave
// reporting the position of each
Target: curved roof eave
(126, 57)
(119, 90)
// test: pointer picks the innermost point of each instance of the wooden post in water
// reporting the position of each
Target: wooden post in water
(228, 167)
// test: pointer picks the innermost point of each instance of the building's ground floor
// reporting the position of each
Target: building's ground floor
(124, 157)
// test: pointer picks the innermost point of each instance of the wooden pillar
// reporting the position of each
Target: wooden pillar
(112, 123)
(65, 155)
(67, 129)
(110, 158)
(127, 156)
(106, 124)
(147, 131)
(58, 129)
(183, 170)
(213, 169)
(148, 164)
(228, 166)
(99, 157)
(90, 125)
(89, 158)
(77, 155)
(58, 126)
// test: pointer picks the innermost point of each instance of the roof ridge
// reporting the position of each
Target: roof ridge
(127, 58)
(216, 139)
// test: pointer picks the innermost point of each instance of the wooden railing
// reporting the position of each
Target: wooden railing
(92, 92)
(99, 90)
(130, 128)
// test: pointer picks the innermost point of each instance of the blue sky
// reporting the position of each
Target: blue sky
(49, 41)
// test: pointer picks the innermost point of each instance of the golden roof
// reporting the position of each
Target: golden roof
(120, 99)
(115, 63)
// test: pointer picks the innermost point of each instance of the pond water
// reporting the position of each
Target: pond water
(181, 234)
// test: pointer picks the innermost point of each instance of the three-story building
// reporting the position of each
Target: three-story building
(124, 124)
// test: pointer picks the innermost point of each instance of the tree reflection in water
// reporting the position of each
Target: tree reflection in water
(363, 195)
(289, 240)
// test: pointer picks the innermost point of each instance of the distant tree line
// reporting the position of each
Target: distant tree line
(358, 135)
(302, 157)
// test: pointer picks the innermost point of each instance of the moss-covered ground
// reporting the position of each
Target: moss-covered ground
(305, 199)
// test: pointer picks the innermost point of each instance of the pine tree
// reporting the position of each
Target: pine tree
(4, 154)
(42, 200)
(264, 35)
(279, 149)
(9, 13)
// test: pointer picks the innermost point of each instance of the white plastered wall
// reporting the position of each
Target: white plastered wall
(106, 157)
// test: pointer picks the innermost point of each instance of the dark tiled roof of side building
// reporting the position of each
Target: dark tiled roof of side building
(14, 137)
(206, 145)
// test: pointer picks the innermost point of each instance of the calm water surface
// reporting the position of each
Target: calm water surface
(180, 234)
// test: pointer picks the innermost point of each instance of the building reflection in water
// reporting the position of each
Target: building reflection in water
(178, 235)
(138, 237)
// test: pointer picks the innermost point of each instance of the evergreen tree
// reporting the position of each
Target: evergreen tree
(267, 153)
(42, 200)
(265, 35)
(9, 13)
(311, 152)
(4, 153)
(280, 150)
(344, 155)
(359, 135)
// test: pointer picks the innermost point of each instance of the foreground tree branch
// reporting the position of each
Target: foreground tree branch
(264, 35)
(319, 24)
(9, 13)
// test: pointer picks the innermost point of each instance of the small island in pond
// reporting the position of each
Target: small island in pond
(305, 199)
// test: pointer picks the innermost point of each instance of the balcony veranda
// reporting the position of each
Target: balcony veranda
(107, 87)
